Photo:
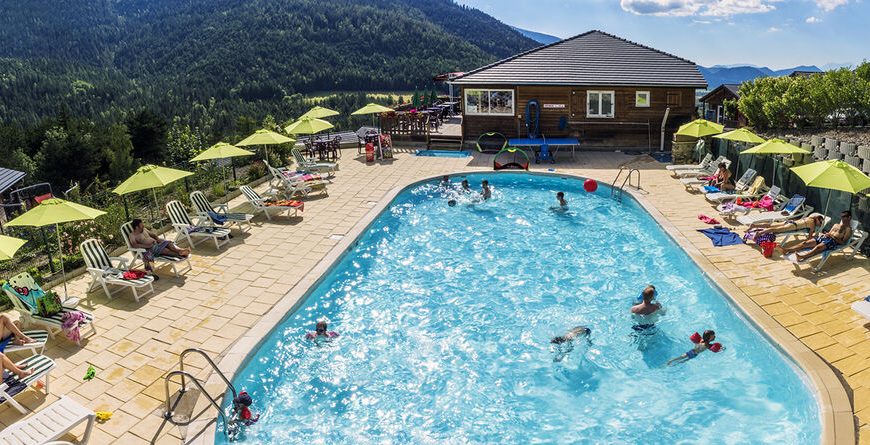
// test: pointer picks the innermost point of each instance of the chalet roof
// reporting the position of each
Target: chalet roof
(8, 178)
(731, 89)
(594, 58)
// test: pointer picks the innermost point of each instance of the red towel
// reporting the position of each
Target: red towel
(707, 219)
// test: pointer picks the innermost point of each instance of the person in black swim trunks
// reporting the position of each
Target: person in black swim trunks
(836, 237)
(646, 312)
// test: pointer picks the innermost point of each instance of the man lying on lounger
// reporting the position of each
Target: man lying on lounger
(830, 240)
(812, 223)
(154, 246)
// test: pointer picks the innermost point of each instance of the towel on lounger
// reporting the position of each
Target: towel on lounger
(721, 236)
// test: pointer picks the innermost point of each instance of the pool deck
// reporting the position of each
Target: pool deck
(259, 275)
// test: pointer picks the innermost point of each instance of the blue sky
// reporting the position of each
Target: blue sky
(774, 33)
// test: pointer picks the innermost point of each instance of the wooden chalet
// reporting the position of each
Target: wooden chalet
(714, 106)
(607, 91)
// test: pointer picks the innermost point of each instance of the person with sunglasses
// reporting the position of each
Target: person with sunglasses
(830, 240)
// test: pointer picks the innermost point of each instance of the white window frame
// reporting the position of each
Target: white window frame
(637, 95)
(488, 92)
(600, 94)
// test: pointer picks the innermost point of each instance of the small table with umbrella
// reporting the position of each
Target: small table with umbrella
(309, 126)
(373, 109)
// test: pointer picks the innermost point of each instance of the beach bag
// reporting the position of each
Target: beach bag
(48, 304)
(767, 248)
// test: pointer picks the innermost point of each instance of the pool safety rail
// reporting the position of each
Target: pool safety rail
(617, 193)
(171, 414)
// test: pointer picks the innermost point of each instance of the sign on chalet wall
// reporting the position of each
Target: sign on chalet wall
(555, 106)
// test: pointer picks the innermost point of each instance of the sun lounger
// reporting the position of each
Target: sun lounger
(742, 185)
(704, 163)
(786, 235)
(280, 185)
(13, 385)
(303, 164)
(37, 346)
(748, 191)
(185, 228)
(138, 254)
(50, 423)
(262, 205)
(854, 243)
(794, 208)
(215, 213)
(693, 181)
(708, 170)
(730, 208)
(22, 291)
(109, 271)
(862, 307)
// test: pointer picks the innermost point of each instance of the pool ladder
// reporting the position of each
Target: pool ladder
(169, 413)
(617, 193)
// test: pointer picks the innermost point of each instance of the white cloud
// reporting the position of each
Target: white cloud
(830, 5)
(813, 19)
(774, 29)
(715, 8)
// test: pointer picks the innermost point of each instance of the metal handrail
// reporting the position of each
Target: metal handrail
(627, 180)
(210, 362)
(168, 414)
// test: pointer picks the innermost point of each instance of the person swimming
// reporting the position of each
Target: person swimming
(646, 312)
(563, 204)
(321, 330)
(452, 203)
(445, 182)
(465, 187)
(702, 343)
(565, 342)
(485, 191)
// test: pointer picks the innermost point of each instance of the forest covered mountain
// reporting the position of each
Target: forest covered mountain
(736, 74)
(101, 58)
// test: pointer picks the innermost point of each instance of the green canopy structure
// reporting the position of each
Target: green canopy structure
(372, 109)
(833, 175)
(742, 135)
(54, 212)
(265, 138)
(221, 150)
(150, 177)
(8, 246)
(319, 112)
(775, 147)
(700, 128)
(308, 125)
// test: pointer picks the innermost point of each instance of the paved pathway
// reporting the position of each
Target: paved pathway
(229, 290)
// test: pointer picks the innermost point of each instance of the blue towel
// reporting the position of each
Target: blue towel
(711, 189)
(722, 236)
(217, 218)
(5, 342)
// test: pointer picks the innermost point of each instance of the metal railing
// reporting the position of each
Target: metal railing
(617, 193)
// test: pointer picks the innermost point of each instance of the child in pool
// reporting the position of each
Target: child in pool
(563, 204)
(702, 343)
(485, 191)
(465, 187)
(445, 182)
(321, 330)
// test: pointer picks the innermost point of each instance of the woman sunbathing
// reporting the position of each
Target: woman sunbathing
(10, 333)
(8, 365)
(812, 223)
(722, 178)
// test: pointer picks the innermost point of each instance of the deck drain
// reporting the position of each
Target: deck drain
(336, 236)
(371, 204)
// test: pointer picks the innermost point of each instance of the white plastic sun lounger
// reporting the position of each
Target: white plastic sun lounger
(708, 170)
(204, 208)
(749, 191)
(106, 271)
(794, 208)
(261, 205)
(13, 385)
(729, 209)
(50, 423)
(138, 254)
(740, 186)
(319, 167)
(185, 228)
(855, 242)
(693, 181)
(25, 305)
(862, 307)
(704, 163)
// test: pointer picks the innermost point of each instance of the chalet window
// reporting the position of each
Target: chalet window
(673, 99)
(600, 103)
(641, 99)
(489, 102)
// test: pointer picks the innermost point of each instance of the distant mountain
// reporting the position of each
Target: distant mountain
(544, 39)
(723, 74)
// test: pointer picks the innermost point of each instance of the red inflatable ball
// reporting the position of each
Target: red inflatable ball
(590, 185)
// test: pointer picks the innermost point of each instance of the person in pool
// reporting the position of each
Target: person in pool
(445, 182)
(836, 237)
(703, 343)
(465, 187)
(563, 204)
(646, 312)
(321, 330)
(485, 191)
(565, 342)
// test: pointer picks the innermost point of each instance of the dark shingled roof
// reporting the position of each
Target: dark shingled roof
(594, 58)
(8, 178)
(731, 87)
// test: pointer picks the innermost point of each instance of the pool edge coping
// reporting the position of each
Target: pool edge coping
(835, 409)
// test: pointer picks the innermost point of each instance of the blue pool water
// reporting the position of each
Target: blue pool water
(442, 153)
(445, 315)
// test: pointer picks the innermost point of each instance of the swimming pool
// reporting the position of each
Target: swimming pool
(442, 153)
(445, 315)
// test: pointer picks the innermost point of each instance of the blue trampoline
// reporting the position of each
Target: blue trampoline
(541, 143)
